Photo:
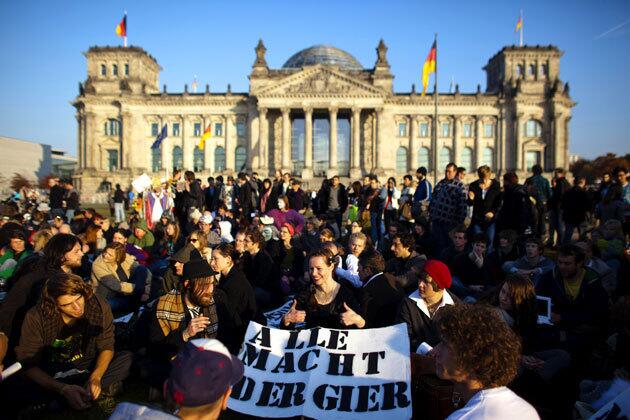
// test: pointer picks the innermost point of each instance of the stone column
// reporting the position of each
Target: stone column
(252, 139)
(167, 151)
(557, 140)
(457, 141)
(413, 143)
(126, 148)
(355, 145)
(286, 140)
(80, 148)
(499, 151)
(518, 142)
(209, 145)
(263, 140)
(380, 134)
(230, 143)
(565, 144)
(478, 134)
(189, 143)
(307, 172)
(90, 139)
(332, 149)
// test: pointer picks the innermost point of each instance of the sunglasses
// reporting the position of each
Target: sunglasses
(193, 240)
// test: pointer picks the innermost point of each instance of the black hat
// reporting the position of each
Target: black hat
(197, 269)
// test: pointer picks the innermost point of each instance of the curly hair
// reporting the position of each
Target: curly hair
(482, 345)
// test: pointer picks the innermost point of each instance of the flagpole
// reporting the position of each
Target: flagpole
(125, 37)
(521, 27)
(435, 119)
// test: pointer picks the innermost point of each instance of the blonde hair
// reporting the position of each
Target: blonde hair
(41, 238)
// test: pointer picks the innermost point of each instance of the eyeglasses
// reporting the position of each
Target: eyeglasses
(192, 240)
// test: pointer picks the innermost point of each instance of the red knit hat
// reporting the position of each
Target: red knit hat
(290, 227)
(439, 272)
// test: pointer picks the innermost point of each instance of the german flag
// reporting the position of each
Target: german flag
(121, 29)
(206, 135)
(429, 67)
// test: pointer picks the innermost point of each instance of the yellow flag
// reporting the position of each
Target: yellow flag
(205, 136)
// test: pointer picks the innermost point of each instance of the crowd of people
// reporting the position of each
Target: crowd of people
(462, 265)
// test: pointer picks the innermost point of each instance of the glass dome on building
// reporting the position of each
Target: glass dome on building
(323, 54)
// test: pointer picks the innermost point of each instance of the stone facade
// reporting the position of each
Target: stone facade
(322, 102)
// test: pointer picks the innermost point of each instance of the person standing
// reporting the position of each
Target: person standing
(390, 195)
(574, 205)
(119, 204)
(422, 194)
(539, 188)
(55, 197)
(448, 206)
(72, 200)
(484, 195)
(559, 185)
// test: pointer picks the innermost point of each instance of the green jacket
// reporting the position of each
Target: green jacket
(8, 264)
(147, 240)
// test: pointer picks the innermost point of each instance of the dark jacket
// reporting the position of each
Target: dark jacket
(72, 200)
(21, 298)
(557, 191)
(298, 200)
(575, 204)
(243, 196)
(481, 205)
(468, 272)
(55, 196)
(240, 294)
(119, 196)
(261, 271)
(324, 196)
(420, 327)
(193, 198)
(326, 316)
(406, 271)
(516, 210)
(589, 309)
(380, 299)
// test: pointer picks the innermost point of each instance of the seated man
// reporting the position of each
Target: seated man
(579, 303)
(381, 296)
(607, 275)
(481, 354)
(196, 396)
(456, 247)
(356, 245)
(407, 264)
(419, 310)
(471, 273)
(67, 345)
(198, 309)
(142, 237)
(533, 265)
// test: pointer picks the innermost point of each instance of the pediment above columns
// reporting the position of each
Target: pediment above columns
(320, 81)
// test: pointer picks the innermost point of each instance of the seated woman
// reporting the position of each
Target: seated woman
(94, 240)
(290, 259)
(539, 366)
(169, 243)
(200, 242)
(119, 279)
(11, 255)
(324, 303)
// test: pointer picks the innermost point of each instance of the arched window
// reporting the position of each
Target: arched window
(178, 158)
(533, 128)
(156, 159)
(112, 127)
(103, 70)
(487, 157)
(219, 159)
(401, 160)
(240, 158)
(444, 158)
(423, 158)
(198, 159)
(115, 70)
(465, 159)
(543, 71)
(519, 70)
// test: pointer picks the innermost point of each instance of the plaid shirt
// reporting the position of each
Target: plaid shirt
(448, 202)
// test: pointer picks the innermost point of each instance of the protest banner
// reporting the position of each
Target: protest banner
(324, 373)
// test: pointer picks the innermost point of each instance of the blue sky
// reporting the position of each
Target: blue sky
(42, 44)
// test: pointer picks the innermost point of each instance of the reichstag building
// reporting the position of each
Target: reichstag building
(323, 113)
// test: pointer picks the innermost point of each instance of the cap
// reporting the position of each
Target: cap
(290, 227)
(206, 218)
(195, 269)
(266, 220)
(187, 253)
(439, 272)
(202, 372)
